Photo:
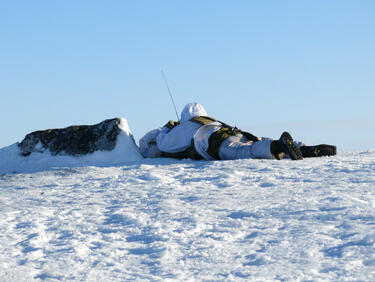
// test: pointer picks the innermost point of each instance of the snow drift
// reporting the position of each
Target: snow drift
(107, 143)
(172, 220)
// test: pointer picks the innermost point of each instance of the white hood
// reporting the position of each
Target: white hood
(191, 110)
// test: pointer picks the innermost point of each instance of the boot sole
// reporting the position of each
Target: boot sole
(290, 148)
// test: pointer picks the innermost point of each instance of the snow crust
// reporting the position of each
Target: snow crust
(170, 220)
(126, 151)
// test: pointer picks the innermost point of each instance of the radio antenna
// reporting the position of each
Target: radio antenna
(170, 93)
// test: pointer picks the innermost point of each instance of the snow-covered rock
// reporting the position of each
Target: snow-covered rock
(107, 143)
(73, 140)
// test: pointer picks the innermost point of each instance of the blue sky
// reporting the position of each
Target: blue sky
(307, 67)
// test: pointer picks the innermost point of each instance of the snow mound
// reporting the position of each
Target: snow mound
(125, 150)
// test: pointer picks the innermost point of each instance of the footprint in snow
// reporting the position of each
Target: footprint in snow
(242, 214)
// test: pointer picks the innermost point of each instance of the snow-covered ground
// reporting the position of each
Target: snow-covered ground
(164, 219)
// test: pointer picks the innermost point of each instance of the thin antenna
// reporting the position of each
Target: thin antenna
(170, 93)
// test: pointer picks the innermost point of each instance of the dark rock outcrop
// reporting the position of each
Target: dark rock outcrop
(73, 140)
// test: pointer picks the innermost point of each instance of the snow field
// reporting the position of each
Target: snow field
(162, 219)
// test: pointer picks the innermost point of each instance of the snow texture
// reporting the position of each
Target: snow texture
(164, 219)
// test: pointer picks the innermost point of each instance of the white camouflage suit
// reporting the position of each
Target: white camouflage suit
(179, 139)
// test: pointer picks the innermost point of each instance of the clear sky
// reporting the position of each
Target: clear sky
(307, 67)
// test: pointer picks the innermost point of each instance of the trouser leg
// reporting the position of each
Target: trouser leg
(238, 147)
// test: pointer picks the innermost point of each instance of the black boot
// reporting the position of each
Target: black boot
(285, 145)
(318, 151)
